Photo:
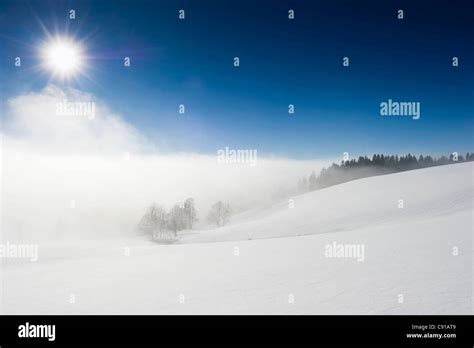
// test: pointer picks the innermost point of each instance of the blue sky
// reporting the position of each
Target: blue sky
(282, 62)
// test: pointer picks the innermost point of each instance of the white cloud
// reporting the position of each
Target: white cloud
(34, 118)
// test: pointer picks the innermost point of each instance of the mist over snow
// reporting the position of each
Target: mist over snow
(74, 176)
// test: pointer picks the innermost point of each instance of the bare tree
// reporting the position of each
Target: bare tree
(190, 214)
(219, 214)
(176, 221)
(153, 222)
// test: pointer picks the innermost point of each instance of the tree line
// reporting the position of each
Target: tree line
(160, 224)
(377, 165)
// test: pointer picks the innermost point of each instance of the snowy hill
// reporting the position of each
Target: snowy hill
(417, 259)
(363, 203)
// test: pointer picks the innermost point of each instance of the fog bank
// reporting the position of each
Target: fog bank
(77, 176)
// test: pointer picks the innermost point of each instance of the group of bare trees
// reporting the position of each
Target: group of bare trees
(219, 214)
(162, 225)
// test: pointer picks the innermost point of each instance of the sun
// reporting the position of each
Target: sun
(63, 57)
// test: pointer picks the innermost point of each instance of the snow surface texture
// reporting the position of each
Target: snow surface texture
(272, 261)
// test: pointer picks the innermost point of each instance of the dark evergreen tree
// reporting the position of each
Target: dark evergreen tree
(378, 165)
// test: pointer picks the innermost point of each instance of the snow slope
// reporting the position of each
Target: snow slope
(354, 205)
(272, 261)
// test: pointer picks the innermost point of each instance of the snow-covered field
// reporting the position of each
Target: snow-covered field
(417, 259)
